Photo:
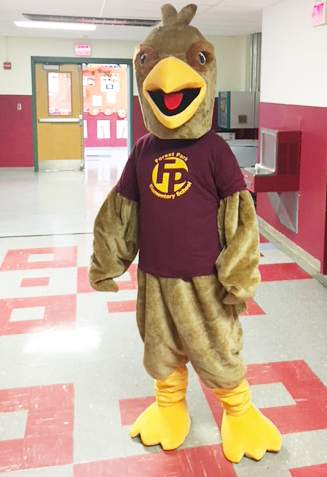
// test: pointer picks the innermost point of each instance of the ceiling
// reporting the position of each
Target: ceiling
(213, 18)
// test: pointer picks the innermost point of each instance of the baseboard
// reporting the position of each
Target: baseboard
(309, 263)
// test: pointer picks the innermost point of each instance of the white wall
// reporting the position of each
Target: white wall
(294, 64)
(231, 53)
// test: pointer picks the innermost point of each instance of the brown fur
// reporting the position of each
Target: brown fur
(181, 320)
(237, 264)
(177, 38)
(115, 241)
(186, 320)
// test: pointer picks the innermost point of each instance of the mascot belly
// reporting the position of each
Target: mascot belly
(181, 202)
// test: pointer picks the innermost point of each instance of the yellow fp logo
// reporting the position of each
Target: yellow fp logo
(169, 176)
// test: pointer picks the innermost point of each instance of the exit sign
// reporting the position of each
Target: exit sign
(83, 50)
(319, 13)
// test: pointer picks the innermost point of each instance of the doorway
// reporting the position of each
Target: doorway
(105, 106)
(82, 112)
(59, 119)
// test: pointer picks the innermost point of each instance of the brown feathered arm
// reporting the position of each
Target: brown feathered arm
(115, 241)
(238, 263)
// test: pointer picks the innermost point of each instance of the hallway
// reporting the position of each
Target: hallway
(71, 373)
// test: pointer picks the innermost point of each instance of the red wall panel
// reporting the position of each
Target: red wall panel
(16, 131)
(138, 123)
(312, 122)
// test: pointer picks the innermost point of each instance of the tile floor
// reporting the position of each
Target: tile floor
(71, 374)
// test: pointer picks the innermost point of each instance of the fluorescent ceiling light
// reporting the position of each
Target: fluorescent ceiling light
(56, 25)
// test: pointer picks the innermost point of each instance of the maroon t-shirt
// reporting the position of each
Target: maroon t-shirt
(178, 185)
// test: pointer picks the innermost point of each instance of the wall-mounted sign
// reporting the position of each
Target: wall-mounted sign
(319, 13)
(83, 50)
(7, 65)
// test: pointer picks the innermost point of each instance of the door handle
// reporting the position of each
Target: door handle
(59, 120)
(80, 120)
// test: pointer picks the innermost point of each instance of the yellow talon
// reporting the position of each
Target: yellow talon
(166, 421)
(245, 430)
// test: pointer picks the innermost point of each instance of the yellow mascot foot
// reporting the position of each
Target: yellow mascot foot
(251, 434)
(166, 421)
(167, 426)
(245, 430)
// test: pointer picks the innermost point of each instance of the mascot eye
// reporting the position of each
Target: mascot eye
(142, 59)
(202, 58)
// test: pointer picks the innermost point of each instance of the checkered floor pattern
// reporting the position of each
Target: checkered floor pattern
(72, 380)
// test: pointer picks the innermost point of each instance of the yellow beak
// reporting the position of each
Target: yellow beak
(172, 75)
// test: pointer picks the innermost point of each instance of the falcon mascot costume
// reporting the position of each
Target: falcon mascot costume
(181, 202)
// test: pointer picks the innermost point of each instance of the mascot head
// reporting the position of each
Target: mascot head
(175, 70)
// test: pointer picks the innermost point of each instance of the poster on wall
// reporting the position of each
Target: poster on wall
(110, 83)
(111, 97)
(103, 129)
(85, 128)
(121, 126)
(97, 100)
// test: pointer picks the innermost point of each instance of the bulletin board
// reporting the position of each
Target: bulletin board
(105, 105)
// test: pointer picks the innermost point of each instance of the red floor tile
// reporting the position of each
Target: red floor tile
(130, 409)
(108, 468)
(19, 259)
(252, 308)
(60, 313)
(314, 471)
(199, 462)
(83, 285)
(11, 455)
(48, 439)
(309, 393)
(121, 306)
(35, 282)
(282, 271)
(263, 239)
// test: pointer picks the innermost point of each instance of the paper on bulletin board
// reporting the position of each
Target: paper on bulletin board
(103, 129)
(114, 80)
(85, 128)
(121, 126)
(111, 97)
(105, 84)
(97, 100)
(110, 83)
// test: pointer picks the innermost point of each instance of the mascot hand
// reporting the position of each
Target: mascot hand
(230, 299)
(107, 285)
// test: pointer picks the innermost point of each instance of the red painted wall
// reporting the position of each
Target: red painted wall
(16, 132)
(138, 124)
(312, 122)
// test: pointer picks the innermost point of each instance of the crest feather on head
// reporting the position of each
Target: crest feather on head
(171, 18)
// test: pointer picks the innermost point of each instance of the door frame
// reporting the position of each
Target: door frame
(52, 60)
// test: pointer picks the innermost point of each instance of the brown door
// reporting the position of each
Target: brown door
(59, 115)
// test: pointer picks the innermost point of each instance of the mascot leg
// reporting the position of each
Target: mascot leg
(245, 430)
(166, 421)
